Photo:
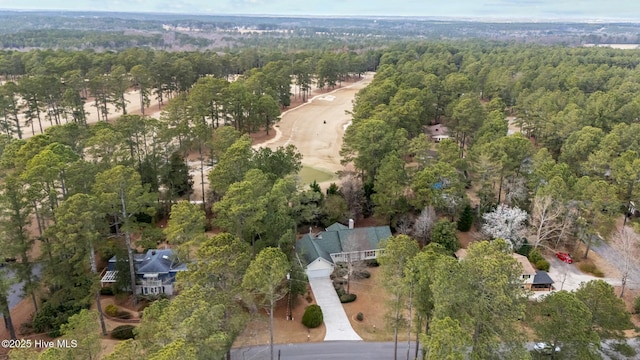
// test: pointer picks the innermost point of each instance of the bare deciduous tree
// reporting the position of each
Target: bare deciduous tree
(626, 242)
(515, 190)
(551, 222)
(424, 223)
(353, 194)
(404, 224)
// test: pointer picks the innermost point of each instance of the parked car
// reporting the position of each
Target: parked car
(545, 348)
(564, 257)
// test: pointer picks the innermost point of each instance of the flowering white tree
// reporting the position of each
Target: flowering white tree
(505, 222)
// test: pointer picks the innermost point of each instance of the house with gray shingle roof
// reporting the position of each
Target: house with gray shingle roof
(339, 243)
(156, 271)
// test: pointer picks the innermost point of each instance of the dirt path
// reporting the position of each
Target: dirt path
(316, 127)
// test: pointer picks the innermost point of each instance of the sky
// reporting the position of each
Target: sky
(493, 9)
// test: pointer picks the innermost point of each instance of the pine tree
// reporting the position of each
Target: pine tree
(466, 219)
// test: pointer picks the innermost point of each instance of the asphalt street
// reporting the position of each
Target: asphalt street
(15, 294)
(355, 350)
(328, 350)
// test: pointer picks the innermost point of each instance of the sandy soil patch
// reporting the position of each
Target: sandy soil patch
(513, 127)
(133, 107)
(466, 238)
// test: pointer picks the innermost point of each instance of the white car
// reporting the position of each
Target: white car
(545, 348)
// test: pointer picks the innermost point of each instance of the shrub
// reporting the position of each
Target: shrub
(525, 249)
(111, 310)
(347, 298)
(591, 269)
(359, 316)
(340, 291)
(636, 305)
(586, 267)
(542, 265)
(106, 290)
(535, 256)
(123, 332)
(312, 317)
(372, 263)
(50, 317)
(341, 272)
(598, 273)
(26, 328)
(121, 314)
(151, 297)
(538, 261)
(362, 274)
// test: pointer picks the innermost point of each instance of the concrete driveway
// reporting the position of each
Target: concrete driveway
(335, 319)
(568, 277)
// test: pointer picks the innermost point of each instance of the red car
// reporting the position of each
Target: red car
(564, 257)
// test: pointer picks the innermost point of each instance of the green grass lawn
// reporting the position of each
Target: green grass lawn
(308, 174)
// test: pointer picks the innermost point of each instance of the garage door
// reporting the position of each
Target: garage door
(319, 268)
(316, 273)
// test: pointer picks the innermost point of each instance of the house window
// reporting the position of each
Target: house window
(526, 276)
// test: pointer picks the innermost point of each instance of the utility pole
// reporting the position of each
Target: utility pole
(289, 315)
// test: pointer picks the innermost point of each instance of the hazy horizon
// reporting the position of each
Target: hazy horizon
(492, 9)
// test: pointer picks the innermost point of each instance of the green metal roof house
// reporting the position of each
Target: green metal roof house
(319, 252)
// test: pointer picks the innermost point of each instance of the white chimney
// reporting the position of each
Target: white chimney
(351, 223)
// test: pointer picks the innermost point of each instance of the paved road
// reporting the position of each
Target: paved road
(15, 295)
(15, 291)
(613, 256)
(345, 350)
(336, 322)
(333, 350)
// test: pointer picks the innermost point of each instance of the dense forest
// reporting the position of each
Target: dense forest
(81, 194)
(542, 139)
